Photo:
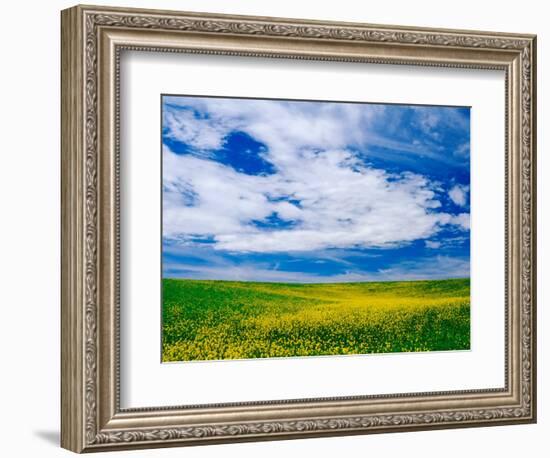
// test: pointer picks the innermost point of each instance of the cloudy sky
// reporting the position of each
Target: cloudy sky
(275, 190)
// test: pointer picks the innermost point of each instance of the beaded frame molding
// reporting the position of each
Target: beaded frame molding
(92, 41)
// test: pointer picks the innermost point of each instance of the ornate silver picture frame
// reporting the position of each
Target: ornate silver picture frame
(93, 40)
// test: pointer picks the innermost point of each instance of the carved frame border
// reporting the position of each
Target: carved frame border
(91, 416)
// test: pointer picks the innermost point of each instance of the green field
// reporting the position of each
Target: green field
(210, 319)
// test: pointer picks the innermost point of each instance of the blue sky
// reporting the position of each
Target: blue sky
(307, 191)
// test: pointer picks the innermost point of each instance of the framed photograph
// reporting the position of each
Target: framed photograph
(278, 228)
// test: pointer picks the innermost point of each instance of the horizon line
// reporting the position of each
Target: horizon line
(317, 283)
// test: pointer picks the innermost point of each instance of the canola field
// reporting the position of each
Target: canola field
(217, 320)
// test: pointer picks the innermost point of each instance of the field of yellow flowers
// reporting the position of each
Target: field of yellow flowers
(214, 320)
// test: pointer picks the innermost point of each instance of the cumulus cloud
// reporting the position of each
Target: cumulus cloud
(459, 195)
(462, 220)
(321, 195)
(182, 125)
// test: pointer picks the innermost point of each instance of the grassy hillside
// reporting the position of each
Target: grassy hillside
(208, 319)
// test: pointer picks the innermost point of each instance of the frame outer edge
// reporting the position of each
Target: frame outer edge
(81, 428)
(533, 190)
(72, 228)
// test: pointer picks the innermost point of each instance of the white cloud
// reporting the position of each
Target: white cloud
(429, 119)
(432, 244)
(462, 220)
(183, 126)
(463, 150)
(429, 268)
(459, 194)
(279, 124)
(342, 203)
